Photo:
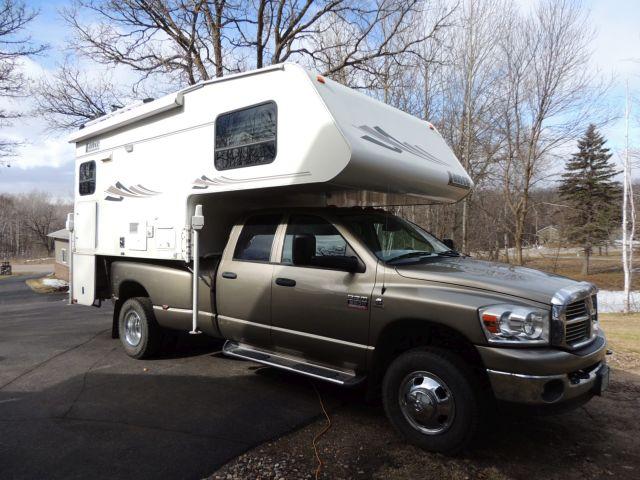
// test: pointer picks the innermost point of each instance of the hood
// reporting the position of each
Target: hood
(496, 277)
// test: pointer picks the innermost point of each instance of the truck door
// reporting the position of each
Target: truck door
(244, 282)
(318, 313)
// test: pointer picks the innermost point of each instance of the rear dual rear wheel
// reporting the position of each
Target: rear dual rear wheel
(140, 334)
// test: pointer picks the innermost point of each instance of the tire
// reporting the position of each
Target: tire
(445, 409)
(142, 337)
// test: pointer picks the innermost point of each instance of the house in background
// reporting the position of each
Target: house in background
(61, 246)
(549, 235)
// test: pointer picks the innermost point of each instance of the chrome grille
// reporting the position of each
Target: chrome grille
(574, 316)
(578, 331)
(578, 321)
(577, 310)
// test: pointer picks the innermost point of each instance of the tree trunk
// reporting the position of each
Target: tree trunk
(465, 222)
(585, 260)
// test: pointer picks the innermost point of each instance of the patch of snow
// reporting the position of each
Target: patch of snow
(54, 282)
(612, 301)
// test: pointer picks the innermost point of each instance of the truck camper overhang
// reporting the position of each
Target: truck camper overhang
(323, 133)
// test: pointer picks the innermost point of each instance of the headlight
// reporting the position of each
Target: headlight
(515, 324)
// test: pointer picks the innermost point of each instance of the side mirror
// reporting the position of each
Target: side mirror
(449, 243)
(347, 264)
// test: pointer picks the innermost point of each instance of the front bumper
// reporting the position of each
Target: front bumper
(546, 376)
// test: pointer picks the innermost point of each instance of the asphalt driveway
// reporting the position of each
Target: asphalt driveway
(73, 405)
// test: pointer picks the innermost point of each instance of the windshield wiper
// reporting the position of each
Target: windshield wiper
(409, 255)
(449, 253)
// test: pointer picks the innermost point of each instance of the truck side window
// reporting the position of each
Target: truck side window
(256, 238)
(87, 178)
(246, 137)
(327, 240)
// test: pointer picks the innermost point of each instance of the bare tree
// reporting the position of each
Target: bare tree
(70, 98)
(183, 42)
(628, 213)
(25, 222)
(548, 89)
(471, 93)
(15, 46)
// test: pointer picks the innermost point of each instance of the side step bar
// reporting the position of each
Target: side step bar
(303, 367)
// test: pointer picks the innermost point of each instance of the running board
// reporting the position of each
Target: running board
(302, 367)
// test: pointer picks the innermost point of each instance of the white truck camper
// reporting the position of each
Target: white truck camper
(276, 136)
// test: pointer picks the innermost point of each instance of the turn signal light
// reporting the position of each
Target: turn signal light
(491, 322)
(320, 78)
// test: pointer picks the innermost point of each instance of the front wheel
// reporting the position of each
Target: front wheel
(140, 334)
(430, 399)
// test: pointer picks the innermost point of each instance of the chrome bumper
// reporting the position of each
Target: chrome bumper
(549, 389)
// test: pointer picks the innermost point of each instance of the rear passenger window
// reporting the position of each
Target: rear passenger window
(246, 137)
(256, 238)
(87, 178)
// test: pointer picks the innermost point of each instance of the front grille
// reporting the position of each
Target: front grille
(576, 310)
(578, 331)
(578, 326)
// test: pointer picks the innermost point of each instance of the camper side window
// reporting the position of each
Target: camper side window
(87, 178)
(256, 239)
(246, 137)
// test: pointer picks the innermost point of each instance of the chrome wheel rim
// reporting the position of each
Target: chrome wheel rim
(427, 403)
(132, 328)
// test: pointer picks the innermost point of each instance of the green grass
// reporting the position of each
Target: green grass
(623, 337)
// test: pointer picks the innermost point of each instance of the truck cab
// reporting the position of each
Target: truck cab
(360, 296)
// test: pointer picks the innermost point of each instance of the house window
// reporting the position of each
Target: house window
(246, 137)
(63, 255)
(87, 178)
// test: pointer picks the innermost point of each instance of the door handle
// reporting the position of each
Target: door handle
(285, 282)
(229, 275)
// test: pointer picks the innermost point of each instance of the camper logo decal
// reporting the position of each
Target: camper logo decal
(204, 182)
(117, 192)
(378, 136)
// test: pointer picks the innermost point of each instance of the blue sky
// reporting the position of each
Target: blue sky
(45, 161)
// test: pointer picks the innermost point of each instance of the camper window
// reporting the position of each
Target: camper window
(246, 137)
(256, 238)
(87, 178)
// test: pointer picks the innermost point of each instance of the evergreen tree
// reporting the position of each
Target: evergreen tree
(589, 187)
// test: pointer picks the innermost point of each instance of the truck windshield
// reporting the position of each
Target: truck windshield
(393, 239)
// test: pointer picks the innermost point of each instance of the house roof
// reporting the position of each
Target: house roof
(62, 234)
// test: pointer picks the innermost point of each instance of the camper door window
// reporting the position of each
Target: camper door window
(246, 137)
(87, 178)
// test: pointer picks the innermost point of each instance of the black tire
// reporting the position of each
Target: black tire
(150, 333)
(459, 384)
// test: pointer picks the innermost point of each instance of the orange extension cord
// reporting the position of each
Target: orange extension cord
(324, 430)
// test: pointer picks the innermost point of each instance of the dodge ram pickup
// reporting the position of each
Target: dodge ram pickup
(360, 296)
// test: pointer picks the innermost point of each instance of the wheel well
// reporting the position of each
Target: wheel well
(126, 290)
(404, 335)
(129, 289)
